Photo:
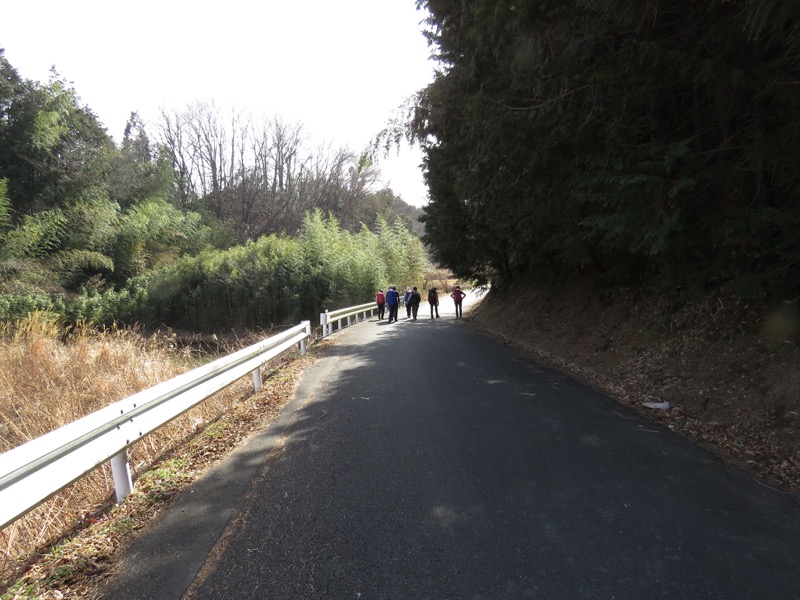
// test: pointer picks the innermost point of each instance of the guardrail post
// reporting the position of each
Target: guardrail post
(257, 379)
(303, 345)
(121, 472)
(323, 320)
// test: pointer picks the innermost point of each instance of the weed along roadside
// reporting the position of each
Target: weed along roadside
(69, 543)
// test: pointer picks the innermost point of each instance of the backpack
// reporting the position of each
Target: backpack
(381, 298)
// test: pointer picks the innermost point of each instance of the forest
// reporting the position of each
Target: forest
(205, 219)
(625, 143)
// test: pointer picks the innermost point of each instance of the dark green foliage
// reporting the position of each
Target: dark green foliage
(652, 142)
(135, 174)
(35, 236)
(105, 234)
(154, 233)
(246, 286)
(19, 305)
(5, 207)
(51, 147)
(273, 280)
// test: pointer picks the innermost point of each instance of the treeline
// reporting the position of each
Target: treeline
(275, 279)
(260, 177)
(651, 143)
(155, 228)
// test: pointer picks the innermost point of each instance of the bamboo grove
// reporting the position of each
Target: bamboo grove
(218, 221)
(651, 143)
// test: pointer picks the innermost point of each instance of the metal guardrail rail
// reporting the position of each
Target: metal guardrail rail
(328, 318)
(34, 471)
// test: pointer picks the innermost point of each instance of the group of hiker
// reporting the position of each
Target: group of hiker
(411, 299)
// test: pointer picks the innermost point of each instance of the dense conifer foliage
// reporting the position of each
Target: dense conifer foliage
(652, 142)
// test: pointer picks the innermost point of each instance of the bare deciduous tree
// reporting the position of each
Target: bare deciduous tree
(259, 177)
(173, 144)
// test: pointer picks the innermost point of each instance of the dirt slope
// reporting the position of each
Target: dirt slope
(729, 370)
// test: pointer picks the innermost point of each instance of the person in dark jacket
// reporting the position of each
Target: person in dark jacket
(433, 300)
(413, 300)
(458, 296)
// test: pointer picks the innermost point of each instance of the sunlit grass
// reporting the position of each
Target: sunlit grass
(50, 376)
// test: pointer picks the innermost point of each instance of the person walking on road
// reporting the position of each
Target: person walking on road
(392, 300)
(458, 296)
(433, 300)
(380, 300)
(406, 298)
(414, 299)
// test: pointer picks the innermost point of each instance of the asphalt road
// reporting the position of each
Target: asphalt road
(424, 459)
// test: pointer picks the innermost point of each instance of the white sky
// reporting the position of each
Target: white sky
(339, 67)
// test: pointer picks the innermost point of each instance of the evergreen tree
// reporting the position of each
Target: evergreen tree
(136, 174)
(52, 149)
(656, 142)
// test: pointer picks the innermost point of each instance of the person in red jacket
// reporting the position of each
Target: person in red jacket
(458, 296)
(380, 300)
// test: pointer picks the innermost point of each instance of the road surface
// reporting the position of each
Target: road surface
(424, 459)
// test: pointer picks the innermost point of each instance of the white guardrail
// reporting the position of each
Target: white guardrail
(31, 473)
(328, 318)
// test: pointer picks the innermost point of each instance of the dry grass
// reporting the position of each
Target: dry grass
(48, 378)
(443, 280)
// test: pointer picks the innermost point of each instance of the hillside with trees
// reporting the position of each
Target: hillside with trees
(205, 218)
(626, 176)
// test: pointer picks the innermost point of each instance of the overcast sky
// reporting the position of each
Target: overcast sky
(339, 67)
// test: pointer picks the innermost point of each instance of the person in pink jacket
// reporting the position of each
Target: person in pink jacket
(458, 296)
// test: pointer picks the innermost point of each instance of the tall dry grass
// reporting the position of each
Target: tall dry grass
(50, 377)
